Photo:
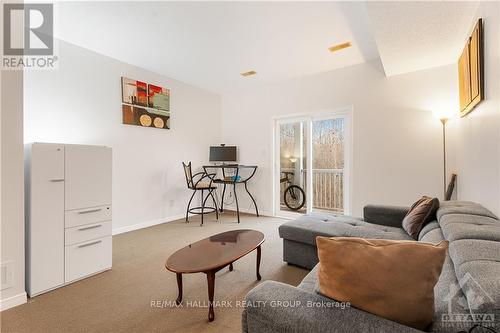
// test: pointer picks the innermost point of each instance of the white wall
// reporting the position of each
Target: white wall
(475, 138)
(81, 103)
(397, 150)
(12, 185)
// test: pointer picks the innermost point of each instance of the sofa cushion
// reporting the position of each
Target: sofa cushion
(433, 225)
(307, 312)
(481, 287)
(332, 216)
(310, 282)
(391, 216)
(466, 250)
(434, 236)
(463, 207)
(448, 299)
(448, 219)
(477, 265)
(390, 278)
(305, 228)
(421, 212)
(457, 231)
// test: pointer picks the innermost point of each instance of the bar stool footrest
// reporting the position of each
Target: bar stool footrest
(206, 210)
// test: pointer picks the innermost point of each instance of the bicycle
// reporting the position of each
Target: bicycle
(294, 196)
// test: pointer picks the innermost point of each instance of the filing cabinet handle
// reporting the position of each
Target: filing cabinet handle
(91, 227)
(89, 244)
(57, 180)
(90, 211)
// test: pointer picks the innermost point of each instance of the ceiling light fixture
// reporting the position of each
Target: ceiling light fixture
(339, 47)
(249, 73)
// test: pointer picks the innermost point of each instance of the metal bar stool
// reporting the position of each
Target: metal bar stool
(195, 185)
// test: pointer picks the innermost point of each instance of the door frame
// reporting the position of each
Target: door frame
(344, 112)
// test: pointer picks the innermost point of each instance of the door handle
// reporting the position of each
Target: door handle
(90, 211)
(57, 180)
(91, 227)
(89, 244)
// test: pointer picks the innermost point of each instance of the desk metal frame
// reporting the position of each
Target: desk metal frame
(236, 167)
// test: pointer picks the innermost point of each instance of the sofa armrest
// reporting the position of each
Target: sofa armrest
(391, 216)
(278, 307)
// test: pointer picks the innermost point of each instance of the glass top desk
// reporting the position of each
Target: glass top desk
(232, 175)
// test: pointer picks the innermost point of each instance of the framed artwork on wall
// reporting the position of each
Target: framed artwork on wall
(134, 92)
(145, 105)
(158, 98)
(471, 71)
(137, 116)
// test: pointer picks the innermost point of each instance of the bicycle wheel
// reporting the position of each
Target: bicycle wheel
(294, 197)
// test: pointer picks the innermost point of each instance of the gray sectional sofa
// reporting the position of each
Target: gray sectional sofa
(467, 293)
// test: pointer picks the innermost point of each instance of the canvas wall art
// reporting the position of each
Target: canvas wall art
(158, 98)
(134, 92)
(133, 115)
(145, 105)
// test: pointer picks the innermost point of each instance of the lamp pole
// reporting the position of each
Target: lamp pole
(443, 121)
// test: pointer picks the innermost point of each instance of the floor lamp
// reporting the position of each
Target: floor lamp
(443, 117)
(444, 120)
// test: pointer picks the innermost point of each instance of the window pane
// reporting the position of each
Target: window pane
(292, 162)
(328, 164)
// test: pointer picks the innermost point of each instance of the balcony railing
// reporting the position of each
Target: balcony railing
(327, 189)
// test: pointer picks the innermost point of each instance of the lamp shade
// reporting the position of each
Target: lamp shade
(443, 114)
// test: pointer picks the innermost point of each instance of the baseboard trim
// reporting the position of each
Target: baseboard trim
(147, 224)
(250, 211)
(13, 301)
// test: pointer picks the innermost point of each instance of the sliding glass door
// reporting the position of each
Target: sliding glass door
(312, 159)
(328, 139)
(292, 147)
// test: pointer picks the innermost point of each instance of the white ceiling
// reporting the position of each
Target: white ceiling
(412, 36)
(208, 44)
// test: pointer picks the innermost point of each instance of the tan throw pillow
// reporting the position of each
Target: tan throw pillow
(392, 279)
(421, 212)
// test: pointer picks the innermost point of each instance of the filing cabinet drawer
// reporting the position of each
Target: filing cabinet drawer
(77, 217)
(87, 232)
(87, 258)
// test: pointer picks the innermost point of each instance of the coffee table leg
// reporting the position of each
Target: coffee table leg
(258, 263)
(211, 287)
(231, 267)
(179, 286)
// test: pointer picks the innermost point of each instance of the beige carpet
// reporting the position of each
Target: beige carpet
(119, 300)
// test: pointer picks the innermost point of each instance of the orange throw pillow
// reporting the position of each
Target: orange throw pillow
(392, 279)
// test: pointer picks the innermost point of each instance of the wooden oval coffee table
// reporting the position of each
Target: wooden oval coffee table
(212, 254)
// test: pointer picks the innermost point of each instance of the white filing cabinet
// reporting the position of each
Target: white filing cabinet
(68, 214)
